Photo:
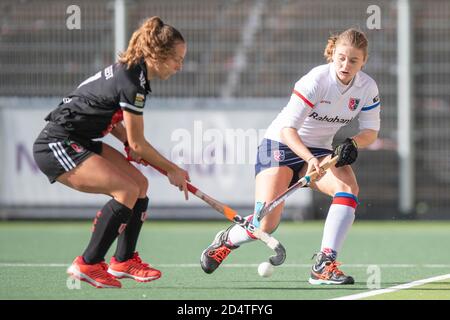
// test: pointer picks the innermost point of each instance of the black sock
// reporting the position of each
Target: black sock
(126, 243)
(110, 221)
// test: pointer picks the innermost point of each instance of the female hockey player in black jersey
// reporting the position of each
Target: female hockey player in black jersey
(66, 153)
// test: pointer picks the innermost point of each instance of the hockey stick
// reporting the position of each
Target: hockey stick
(299, 184)
(233, 216)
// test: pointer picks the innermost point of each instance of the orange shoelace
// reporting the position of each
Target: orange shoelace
(219, 254)
(332, 267)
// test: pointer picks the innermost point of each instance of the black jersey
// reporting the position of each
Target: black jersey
(92, 110)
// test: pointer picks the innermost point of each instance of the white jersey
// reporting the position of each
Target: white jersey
(318, 109)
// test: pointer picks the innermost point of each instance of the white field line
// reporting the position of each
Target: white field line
(393, 289)
(236, 265)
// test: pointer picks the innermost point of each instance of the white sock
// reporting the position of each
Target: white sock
(238, 235)
(339, 220)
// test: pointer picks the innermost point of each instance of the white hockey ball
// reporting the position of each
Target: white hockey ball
(265, 269)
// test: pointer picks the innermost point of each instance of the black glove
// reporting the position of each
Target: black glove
(347, 152)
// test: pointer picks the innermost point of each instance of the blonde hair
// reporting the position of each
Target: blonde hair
(153, 40)
(356, 38)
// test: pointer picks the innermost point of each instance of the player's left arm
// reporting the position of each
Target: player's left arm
(369, 125)
(369, 119)
(365, 138)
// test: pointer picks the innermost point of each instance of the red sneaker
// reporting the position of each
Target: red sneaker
(133, 268)
(94, 274)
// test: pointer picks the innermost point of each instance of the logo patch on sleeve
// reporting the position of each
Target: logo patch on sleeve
(139, 101)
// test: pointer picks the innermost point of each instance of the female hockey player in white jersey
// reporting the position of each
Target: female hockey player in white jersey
(327, 98)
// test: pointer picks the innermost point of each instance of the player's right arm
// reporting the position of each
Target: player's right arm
(304, 96)
(132, 96)
(292, 139)
(139, 145)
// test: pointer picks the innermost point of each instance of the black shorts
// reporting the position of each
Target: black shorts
(276, 154)
(56, 151)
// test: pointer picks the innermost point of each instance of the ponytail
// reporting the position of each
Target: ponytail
(329, 49)
(153, 40)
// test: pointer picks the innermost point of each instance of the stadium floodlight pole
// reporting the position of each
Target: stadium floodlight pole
(405, 101)
(120, 26)
(233, 216)
(299, 184)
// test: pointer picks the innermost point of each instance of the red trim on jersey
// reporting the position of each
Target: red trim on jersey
(303, 98)
(345, 201)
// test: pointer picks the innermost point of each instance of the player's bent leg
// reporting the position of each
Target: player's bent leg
(227, 240)
(270, 183)
(126, 167)
(98, 175)
(127, 241)
(341, 184)
(335, 180)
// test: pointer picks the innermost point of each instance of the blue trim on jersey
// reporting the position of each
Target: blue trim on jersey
(347, 195)
(371, 107)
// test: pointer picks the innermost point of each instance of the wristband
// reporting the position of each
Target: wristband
(354, 142)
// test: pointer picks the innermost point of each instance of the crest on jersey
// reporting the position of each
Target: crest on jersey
(353, 103)
(75, 146)
(278, 155)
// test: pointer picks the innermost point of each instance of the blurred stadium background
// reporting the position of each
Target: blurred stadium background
(244, 57)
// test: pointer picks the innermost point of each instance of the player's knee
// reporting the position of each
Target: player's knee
(132, 190)
(351, 188)
(355, 189)
(269, 225)
(143, 184)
